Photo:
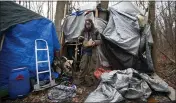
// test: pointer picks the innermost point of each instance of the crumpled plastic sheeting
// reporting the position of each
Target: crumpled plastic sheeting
(101, 57)
(119, 85)
(61, 93)
(145, 49)
(100, 24)
(123, 27)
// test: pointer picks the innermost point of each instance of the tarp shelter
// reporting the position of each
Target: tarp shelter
(73, 25)
(21, 27)
(125, 43)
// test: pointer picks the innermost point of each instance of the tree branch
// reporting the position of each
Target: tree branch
(165, 36)
(173, 61)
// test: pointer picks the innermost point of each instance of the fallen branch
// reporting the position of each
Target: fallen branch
(173, 61)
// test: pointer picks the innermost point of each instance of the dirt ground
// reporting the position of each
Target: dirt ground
(42, 96)
(80, 98)
(166, 70)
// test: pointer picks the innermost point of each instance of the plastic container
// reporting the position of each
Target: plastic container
(19, 83)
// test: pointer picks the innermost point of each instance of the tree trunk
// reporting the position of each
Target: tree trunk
(175, 30)
(170, 21)
(103, 14)
(60, 13)
(52, 10)
(104, 4)
(48, 10)
(26, 4)
(29, 5)
(152, 24)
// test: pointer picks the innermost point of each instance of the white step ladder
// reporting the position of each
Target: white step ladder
(37, 86)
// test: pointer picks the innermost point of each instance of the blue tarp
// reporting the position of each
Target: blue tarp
(18, 49)
(77, 13)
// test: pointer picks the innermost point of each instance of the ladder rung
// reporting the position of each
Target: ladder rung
(42, 61)
(46, 85)
(44, 71)
(41, 49)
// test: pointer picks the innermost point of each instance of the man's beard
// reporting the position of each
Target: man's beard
(88, 29)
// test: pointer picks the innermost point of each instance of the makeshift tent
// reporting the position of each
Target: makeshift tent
(73, 25)
(71, 28)
(21, 28)
(125, 43)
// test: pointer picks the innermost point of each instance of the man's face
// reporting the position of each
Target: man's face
(88, 25)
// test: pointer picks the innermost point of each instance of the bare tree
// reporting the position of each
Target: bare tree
(104, 4)
(48, 9)
(174, 28)
(29, 4)
(152, 23)
(165, 31)
(52, 10)
(59, 15)
(102, 14)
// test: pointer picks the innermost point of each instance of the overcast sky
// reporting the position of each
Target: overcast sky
(78, 5)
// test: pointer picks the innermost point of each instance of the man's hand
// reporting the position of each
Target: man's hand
(89, 43)
(80, 38)
(93, 43)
